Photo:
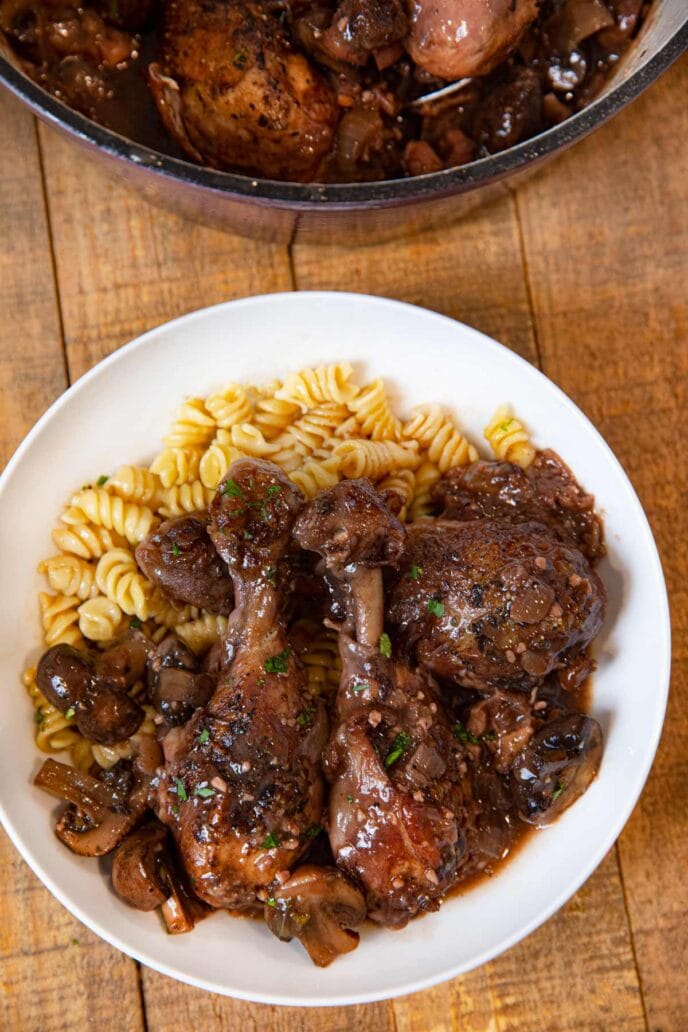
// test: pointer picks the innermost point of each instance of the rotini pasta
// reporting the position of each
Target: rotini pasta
(176, 466)
(373, 413)
(317, 475)
(135, 484)
(193, 426)
(118, 577)
(318, 649)
(273, 415)
(133, 521)
(201, 633)
(310, 387)
(60, 617)
(248, 440)
(433, 429)
(85, 540)
(229, 406)
(100, 619)
(403, 483)
(422, 506)
(185, 498)
(217, 459)
(166, 614)
(508, 438)
(70, 575)
(375, 459)
(54, 731)
(308, 434)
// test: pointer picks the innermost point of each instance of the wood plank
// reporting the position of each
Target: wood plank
(606, 239)
(54, 974)
(123, 266)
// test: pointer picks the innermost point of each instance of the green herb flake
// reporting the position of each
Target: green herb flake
(73, 941)
(176, 550)
(239, 60)
(463, 734)
(557, 792)
(305, 718)
(271, 575)
(38, 717)
(359, 687)
(231, 489)
(350, 797)
(261, 682)
(399, 747)
(503, 428)
(271, 901)
(278, 664)
(489, 737)
(314, 831)
(175, 810)
(204, 792)
(247, 535)
(270, 841)
(204, 736)
(436, 607)
(181, 791)
(102, 479)
(135, 623)
(69, 714)
(386, 645)
(274, 490)
(415, 572)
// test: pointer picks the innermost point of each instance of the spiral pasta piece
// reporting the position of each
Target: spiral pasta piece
(193, 426)
(118, 577)
(106, 756)
(433, 429)
(229, 406)
(59, 614)
(508, 438)
(217, 459)
(53, 730)
(176, 466)
(166, 614)
(135, 484)
(85, 540)
(403, 483)
(133, 521)
(375, 459)
(324, 383)
(70, 575)
(422, 505)
(201, 633)
(186, 498)
(373, 413)
(100, 619)
(248, 440)
(308, 435)
(317, 475)
(273, 415)
(318, 649)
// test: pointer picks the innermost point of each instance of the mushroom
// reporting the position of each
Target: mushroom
(175, 686)
(101, 812)
(137, 875)
(556, 767)
(85, 688)
(319, 906)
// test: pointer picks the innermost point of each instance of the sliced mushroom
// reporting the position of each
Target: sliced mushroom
(100, 814)
(176, 687)
(556, 767)
(137, 868)
(319, 906)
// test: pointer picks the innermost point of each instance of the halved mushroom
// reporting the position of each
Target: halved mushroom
(137, 875)
(556, 767)
(176, 686)
(101, 812)
(319, 906)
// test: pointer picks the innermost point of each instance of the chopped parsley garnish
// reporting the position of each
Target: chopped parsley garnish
(463, 734)
(399, 747)
(436, 607)
(204, 736)
(415, 572)
(248, 536)
(270, 841)
(231, 489)
(359, 687)
(102, 479)
(134, 623)
(175, 810)
(350, 797)
(239, 60)
(314, 830)
(74, 942)
(261, 682)
(386, 645)
(38, 717)
(273, 490)
(69, 713)
(271, 575)
(504, 427)
(305, 718)
(181, 791)
(204, 792)
(278, 664)
(557, 791)
(271, 901)
(176, 550)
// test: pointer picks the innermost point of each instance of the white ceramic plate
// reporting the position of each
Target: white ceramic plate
(117, 413)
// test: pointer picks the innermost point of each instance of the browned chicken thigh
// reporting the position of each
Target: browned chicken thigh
(241, 784)
(235, 94)
(393, 765)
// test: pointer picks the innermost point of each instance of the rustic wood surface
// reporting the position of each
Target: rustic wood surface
(582, 270)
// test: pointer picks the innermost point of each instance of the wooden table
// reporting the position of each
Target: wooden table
(583, 270)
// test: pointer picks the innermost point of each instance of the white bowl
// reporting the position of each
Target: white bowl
(117, 413)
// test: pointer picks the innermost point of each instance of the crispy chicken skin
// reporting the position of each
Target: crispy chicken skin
(241, 783)
(457, 38)
(392, 763)
(235, 94)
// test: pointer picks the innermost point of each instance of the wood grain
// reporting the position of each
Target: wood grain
(606, 239)
(54, 974)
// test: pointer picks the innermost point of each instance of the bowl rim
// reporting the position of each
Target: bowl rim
(343, 196)
(653, 730)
